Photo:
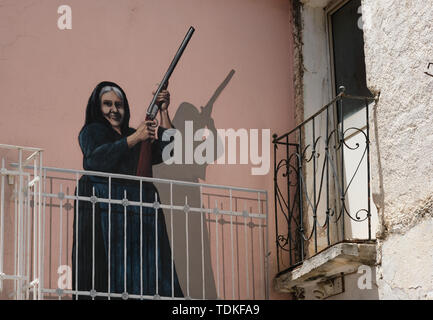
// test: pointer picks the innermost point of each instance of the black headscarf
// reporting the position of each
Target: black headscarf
(93, 110)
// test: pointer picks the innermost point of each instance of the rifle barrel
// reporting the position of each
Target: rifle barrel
(151, 111)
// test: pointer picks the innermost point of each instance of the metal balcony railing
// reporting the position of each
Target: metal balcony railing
(19, 222)
(322, 182)
(217, 234)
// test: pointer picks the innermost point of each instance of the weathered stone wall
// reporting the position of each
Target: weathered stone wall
(398, 39)
(406, 270)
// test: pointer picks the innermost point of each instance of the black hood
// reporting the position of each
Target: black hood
(93, 110)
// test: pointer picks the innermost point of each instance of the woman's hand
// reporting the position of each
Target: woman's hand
(145, 131)
(163, 99)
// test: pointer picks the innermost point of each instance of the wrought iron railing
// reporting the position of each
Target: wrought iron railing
(322, 181)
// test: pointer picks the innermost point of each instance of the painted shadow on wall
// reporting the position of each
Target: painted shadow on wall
(198, 267)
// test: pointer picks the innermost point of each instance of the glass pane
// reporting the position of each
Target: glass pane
(349, 60)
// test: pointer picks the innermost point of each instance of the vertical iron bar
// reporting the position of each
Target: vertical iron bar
(25, 216)
(301, 218)
(172, 239)
(261, 248)
(60, 230)
(24, 235)
(289, 223)
(76, 232)
(50, 241)
(40, 227)
(246, 253)
(42, 235)
(202, 241)
(314, 186)
(93, 242)
(20, 225)
(156, 247)
(368, 169)
(35, 188)
(125, 289)
(217, 249)
(109, 239)
(266, 249)
(16, 236)
(187, 246)
(275, 206)
(232, 250)
(27, 236)
(141, 239)
(342, 196)
(2, 219)
(328, 219)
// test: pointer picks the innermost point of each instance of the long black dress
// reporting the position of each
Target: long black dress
(105, 150)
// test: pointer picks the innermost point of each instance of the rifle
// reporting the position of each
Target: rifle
(144, 168)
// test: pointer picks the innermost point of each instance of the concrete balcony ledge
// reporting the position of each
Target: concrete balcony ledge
(326, 268)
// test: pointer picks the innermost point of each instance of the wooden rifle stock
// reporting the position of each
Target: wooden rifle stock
(144, 168)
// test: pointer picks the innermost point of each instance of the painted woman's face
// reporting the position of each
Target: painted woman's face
(113, 109)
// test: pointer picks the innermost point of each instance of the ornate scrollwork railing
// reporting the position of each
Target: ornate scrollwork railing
(312, 181)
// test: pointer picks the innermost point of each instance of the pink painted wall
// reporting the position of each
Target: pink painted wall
(47, 75)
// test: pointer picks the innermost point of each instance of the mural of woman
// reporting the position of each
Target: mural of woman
(110, 145)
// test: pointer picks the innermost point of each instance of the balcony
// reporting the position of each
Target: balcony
(216, 236)
(325, 220)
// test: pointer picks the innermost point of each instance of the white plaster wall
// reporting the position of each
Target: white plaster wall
(398, 46)
(316, 93)
(406, 271)
(398, 39)
(316, 60)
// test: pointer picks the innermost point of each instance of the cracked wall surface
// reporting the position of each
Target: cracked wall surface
(398, 38)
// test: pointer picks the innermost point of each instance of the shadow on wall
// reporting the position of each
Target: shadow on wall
(379, 194)
(191, 173)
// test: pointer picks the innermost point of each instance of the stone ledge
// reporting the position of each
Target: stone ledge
(341, 258)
